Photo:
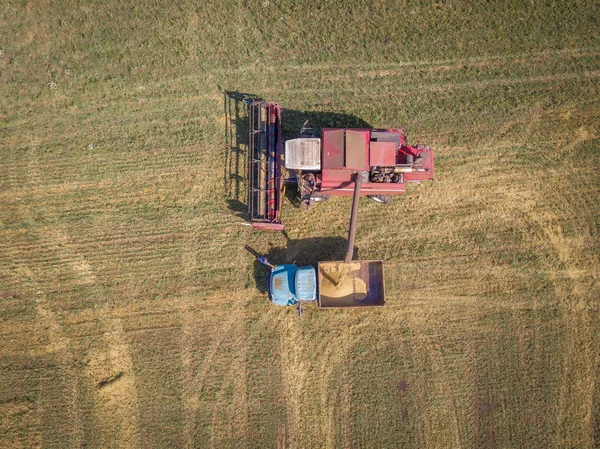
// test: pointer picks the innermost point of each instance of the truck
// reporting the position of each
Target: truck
(340, 162)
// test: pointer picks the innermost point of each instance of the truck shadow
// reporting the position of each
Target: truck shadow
(300, 252)
(294, 124)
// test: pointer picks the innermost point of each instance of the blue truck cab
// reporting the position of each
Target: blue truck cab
(289, 284)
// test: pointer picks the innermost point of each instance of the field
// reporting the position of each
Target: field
(132, 312)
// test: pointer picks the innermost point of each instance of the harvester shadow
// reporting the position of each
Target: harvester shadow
(237, 130)
(309, 123)
(300, 252)
(236, 149)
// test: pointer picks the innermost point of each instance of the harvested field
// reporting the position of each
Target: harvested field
(132, 312)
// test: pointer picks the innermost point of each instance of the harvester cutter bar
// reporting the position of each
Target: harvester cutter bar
(264, 168)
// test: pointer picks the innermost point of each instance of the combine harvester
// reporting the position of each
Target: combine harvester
(341, 162)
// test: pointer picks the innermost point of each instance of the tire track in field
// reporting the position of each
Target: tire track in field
(232, 425)
(122, 249)
(107, 199)
(126, 161)
(362, 71)
(574, 419)
(116, 403)
(116, 236)
(125, 250)
(441, 422)
(70, 182)
(61, 345)
(110, 369)
(335, 356)
(529, 372)
(195, 375)
(295, 375)
(144, 316)
(574, 284)
(302, 375)
(471, 402)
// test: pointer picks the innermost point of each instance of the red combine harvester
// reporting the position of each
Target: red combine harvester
(325, 166)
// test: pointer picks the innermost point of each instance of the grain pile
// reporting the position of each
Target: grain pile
(340, 280)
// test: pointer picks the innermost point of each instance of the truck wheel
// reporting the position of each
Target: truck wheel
(383, 199)
(318, 197)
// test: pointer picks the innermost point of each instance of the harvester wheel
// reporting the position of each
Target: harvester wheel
(383, 199)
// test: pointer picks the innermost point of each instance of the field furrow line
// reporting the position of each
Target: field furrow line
(189, 227)
(138, 256)
(73, 334)
(66, 172)
(130, 253)
(560, 53)
(132, 237)
(471, 387)
(139, 235)
(92, 173)
(139, 271)
(533, 358)
(148, 158)
(234, 408)
(395, 92)
(123, 208)
(16, 186)
(107, 244)
(470, 63)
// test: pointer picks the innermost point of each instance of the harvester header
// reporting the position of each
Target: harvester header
(265, 160)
